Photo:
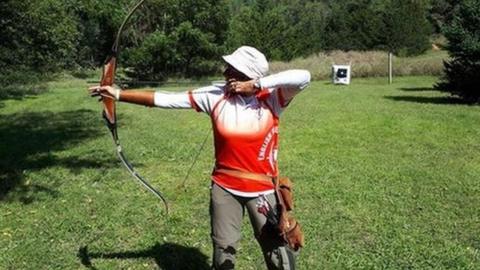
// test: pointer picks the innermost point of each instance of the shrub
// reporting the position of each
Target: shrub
(21, 82)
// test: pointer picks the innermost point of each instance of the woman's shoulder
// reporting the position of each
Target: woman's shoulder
(213, 89)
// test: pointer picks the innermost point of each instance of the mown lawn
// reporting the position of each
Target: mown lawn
(386, 177)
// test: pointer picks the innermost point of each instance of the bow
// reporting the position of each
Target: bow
(109, 112)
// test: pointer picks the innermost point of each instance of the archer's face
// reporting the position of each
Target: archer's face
(231, 73)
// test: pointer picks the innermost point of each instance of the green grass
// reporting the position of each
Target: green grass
(386, 177)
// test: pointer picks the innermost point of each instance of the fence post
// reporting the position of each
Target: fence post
(390, 68)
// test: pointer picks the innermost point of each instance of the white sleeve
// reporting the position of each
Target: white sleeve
(295, 79)
(284, 86)
(172, 100)
(202, 99)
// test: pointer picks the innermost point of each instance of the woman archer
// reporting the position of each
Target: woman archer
(245, 114)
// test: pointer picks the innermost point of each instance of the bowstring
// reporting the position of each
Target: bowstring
(204, 141)
(202, 145)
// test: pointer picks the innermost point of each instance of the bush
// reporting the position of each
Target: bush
(461, 72)
(21, 82)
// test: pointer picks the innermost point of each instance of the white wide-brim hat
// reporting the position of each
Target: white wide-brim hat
(249, 61)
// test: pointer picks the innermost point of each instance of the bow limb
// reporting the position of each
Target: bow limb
(110, 67)
(108, 78)
(109, 109)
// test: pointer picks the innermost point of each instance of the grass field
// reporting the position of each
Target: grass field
(386, 177)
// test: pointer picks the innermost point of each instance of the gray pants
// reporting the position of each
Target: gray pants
(226, 213)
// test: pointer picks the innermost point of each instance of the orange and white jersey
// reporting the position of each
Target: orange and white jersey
(245, 127)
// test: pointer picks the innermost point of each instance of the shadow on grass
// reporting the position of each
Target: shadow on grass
(28, 144)
(417, 89)
(428, 100)
(167, 256)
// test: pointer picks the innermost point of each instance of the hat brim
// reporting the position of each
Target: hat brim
(234, 62)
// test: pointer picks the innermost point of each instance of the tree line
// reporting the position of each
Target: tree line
(185, 38)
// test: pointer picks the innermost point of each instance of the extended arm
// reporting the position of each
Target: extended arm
(137, 97)
(201, 99)
(146, 98)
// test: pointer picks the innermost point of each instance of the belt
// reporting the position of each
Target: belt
(246, 175)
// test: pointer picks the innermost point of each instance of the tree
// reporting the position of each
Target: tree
(462, 71)
(282, 30)
(178, 38)
(37, 39)
(440, 12)
(354, 25)
(262, 25)
(39, 36)
(407, 29)
(307, 22)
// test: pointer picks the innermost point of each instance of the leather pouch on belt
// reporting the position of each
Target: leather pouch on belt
(290, 230)
(285, 187)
